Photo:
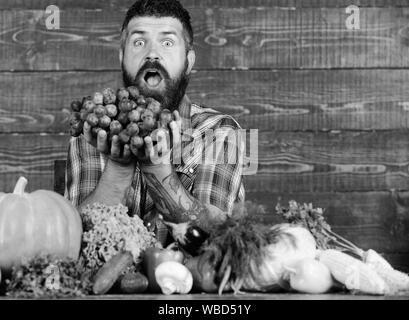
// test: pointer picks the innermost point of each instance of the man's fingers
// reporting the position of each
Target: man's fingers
(115, 147)
(127, 152)
(177, 117)
(175, 129)
(102, 145)
(149, 147)
(88, 135)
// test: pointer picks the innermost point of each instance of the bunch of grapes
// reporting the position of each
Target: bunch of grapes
(124, 113)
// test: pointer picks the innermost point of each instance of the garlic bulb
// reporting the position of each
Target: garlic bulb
(173, 277)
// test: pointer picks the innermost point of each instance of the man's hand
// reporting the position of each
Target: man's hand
(117, 177)
(161, 143)
(116, 152)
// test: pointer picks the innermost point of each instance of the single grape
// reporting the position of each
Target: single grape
(132, 129)
(133, 92)
(125, 105)
(134, 116)
(83, 114)
(89, 106)
(104, 122)
(133, 105)
(76, 106)
(154, 106)
(109, 96)
(92, 120)
(123, 118)
(74, 117)
(122, 93)
(100, 111)
(115, 127)
(140, 109)
(147, 114)
(137, 142)
(112, 110)
(141, 101)
(85, 99)
(98, 98)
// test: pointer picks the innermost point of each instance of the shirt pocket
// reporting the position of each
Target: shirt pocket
(187, 175)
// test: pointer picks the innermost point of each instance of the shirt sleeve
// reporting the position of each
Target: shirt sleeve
(219, 177)
(83, 170)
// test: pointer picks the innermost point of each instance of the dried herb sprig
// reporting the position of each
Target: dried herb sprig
(313, 219)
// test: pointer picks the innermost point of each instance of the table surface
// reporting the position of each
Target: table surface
(246, 296)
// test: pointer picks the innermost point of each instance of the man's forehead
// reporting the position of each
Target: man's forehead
(159, 24)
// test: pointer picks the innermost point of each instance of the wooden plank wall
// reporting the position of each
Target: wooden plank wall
(331, 104)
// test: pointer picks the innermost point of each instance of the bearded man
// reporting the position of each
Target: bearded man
(157, 57)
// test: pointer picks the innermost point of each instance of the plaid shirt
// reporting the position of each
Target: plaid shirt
(219, 184)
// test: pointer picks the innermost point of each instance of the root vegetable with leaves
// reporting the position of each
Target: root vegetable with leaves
(247, 254)
(313, 219)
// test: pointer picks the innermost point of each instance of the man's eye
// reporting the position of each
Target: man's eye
(138, 43)
(168, 43)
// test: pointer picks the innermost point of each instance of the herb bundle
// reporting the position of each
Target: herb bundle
(313, 219)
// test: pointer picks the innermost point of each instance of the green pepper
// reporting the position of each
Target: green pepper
(154, 257)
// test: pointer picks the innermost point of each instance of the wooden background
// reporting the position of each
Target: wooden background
(331, 104)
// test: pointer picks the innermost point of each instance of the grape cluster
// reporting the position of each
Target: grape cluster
(124, 113)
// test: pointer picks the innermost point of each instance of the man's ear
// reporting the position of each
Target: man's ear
(191, 58)
(121, 56)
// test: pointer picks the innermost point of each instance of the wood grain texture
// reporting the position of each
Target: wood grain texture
(298, 100)
(124, 4)
(354, 161)
(31, 156)
(225, 37)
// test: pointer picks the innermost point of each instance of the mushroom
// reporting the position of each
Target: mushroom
(173, 277)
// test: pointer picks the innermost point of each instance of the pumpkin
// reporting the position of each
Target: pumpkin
(42, 222)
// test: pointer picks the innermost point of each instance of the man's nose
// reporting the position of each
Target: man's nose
(153, 54)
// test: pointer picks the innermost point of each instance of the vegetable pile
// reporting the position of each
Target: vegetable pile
(247, 254)
(119, 255)
(109, 230)
(357, 270)
(123, 113)
(48, 276)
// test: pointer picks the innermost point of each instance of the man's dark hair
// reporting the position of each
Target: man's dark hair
(159, 9)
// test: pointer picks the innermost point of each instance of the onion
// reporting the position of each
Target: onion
(310, 276)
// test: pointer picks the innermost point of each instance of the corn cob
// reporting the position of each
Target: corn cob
(352, 273)
(375, 260)
(395, 280)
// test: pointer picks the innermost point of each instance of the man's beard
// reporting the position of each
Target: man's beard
(173, 92)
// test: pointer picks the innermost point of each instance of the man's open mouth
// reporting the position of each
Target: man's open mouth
(152, 77)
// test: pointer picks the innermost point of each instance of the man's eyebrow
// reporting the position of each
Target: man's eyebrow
(144, 32)
(137, 32)
(169, 33)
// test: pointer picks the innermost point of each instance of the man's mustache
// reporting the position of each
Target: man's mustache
(152, 65)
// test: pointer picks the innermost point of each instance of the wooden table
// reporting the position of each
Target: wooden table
(246, 296)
